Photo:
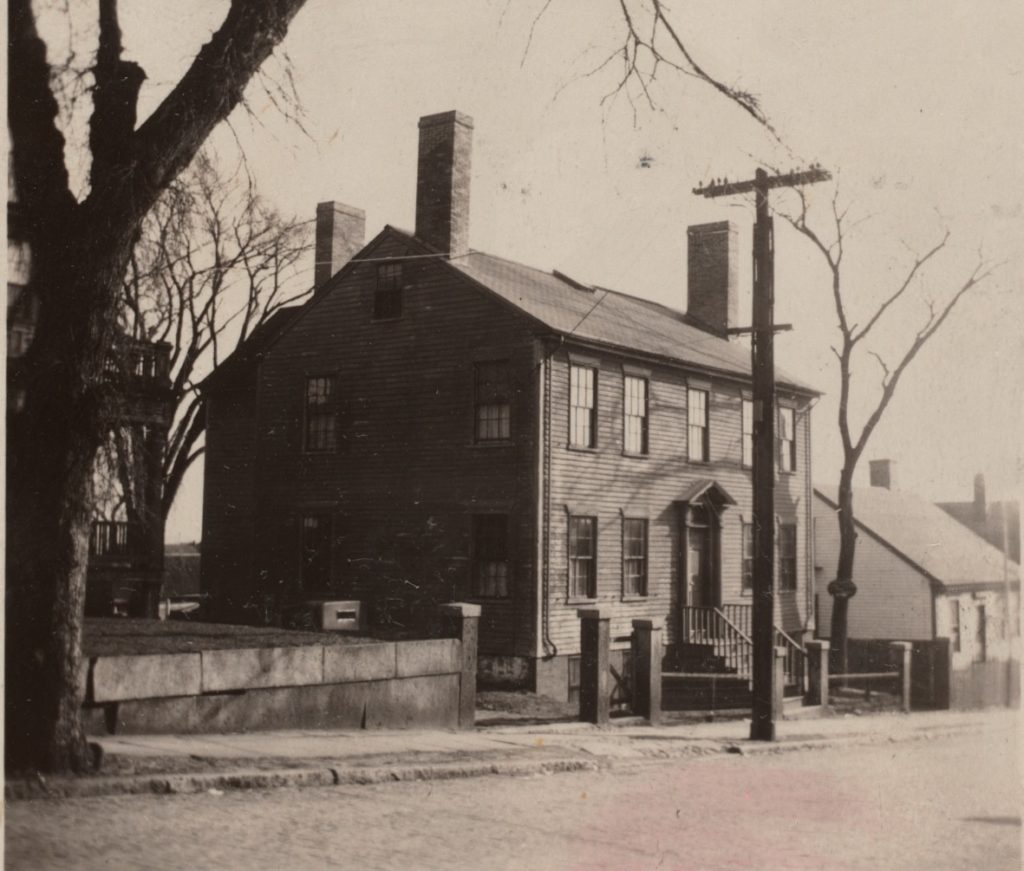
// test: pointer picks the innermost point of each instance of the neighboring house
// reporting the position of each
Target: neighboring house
(996, 522)
(505, 435)
(181, 570)
(126, 541)
(920, 575)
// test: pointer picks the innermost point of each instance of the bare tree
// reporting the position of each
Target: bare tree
(852, 333)
(213, 262)
(81, 247)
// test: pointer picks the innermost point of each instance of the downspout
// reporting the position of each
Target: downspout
(547, 648)
(810, 615)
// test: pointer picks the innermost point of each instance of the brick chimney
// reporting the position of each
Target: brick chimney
(883, 473)
(980, 509)
(712, 275)
(442, 183)
(340, 233)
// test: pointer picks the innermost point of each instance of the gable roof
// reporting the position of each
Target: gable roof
(589, 314)
(925, 536)
(252, 349)
(609, 317)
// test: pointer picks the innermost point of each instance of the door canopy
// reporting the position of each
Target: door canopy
(708, 492)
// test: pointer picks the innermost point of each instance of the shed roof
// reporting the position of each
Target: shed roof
(925, 536)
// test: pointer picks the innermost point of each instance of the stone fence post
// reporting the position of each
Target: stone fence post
(647, 655)
(595, 643)
(465, 620)
(817, 672)
(901, 651)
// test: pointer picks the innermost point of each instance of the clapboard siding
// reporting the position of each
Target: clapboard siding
(894, 599)
(406, 464)
(609, 485)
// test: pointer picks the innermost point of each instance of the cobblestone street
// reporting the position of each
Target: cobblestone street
(949, 803)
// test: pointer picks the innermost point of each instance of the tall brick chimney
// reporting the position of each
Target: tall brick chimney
(442, 183)
(980, 508)
(883, 473)
(340, 233)
(712, 275)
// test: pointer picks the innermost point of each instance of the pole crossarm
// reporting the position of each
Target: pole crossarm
(775, 328)
(726, 188)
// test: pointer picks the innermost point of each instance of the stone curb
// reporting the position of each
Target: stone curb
(660, 750)
(190, 784)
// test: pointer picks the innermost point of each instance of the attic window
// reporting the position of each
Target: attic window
(387, 297)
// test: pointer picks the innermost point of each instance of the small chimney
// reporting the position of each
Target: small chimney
(442, 184)
(883, 474)
(340, 233)
(980, 508)
(712, 275)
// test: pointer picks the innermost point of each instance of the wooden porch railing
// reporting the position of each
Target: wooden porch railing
(709, 627)
(727, 630)
(115, 539)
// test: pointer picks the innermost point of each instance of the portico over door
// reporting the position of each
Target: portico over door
(700, 512)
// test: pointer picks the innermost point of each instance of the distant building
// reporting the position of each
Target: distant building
(181, 570)
(920, 575)
(440, 422)
(996, 522)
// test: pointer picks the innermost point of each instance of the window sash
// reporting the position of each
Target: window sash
(787, 556)
(954, 624)
(635, 415)
(787, 440)
(634, 556)
(582, 557)
(315, 551)
(492, 389)
(747, 567)
(697, 425)
(490, 555)
(321, 429)
(387, 297)
(582, 406)
(748, 433)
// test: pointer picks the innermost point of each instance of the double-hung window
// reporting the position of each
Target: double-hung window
(634, 556)
(321, 417)
(635, 415)
(582, 557)
(387, 297)
(748, 433)
(582, 406)
(787, 440)
(748, 557)
(315, 551)
(493, 401)
(787, 556)
(697, 428)
(490, 555)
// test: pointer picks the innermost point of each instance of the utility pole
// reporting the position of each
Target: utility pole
(762, 721)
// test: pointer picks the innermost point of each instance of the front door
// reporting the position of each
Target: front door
(698, 567)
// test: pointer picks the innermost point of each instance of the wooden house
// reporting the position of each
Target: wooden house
(921, 576)
(437, 422)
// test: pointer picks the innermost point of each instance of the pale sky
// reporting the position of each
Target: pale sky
(914, 105)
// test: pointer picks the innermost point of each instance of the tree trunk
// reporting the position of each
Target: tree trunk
(52, 444)
(842, 589)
